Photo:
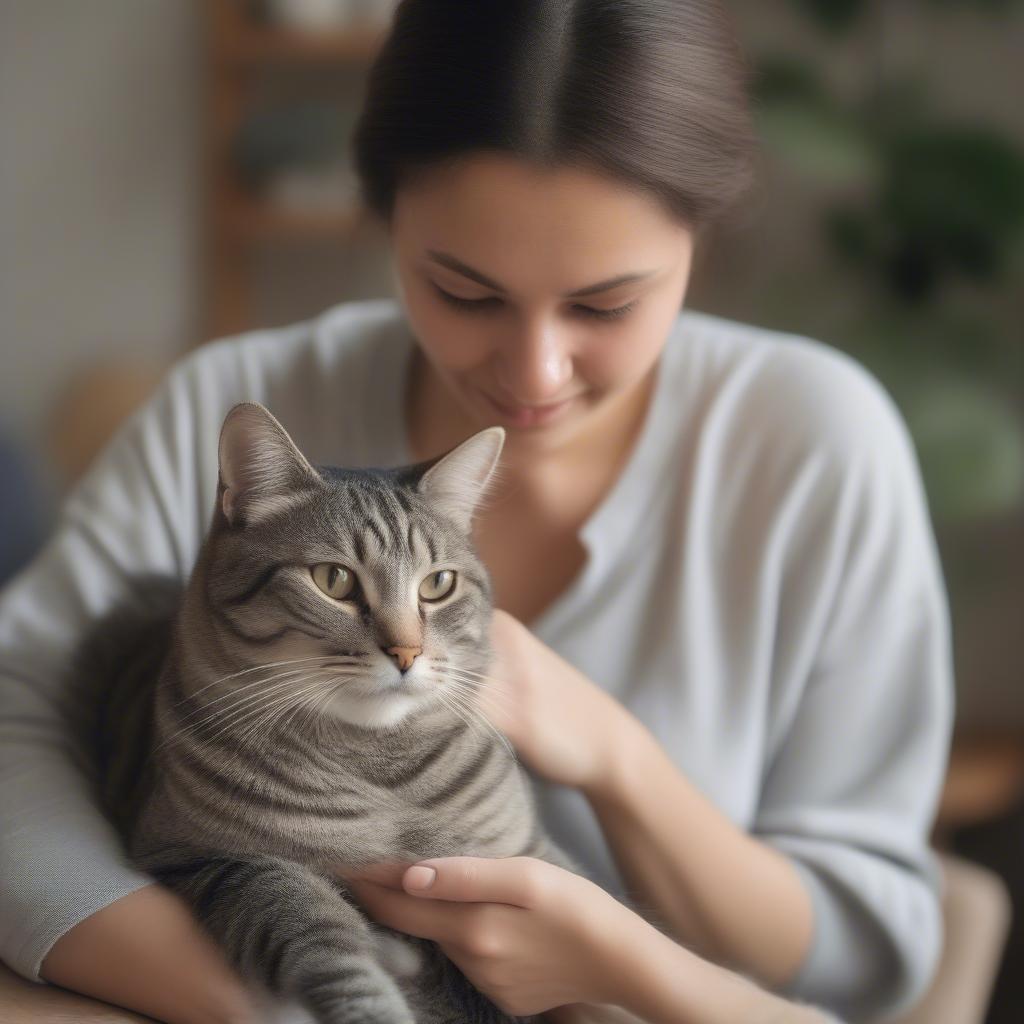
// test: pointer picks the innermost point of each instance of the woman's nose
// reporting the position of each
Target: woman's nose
(536, 363)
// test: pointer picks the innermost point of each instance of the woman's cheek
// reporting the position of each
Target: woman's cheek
(451, 341)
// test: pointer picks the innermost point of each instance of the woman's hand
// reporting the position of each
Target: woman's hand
(536, 938)
(561, 724)
(529, 935)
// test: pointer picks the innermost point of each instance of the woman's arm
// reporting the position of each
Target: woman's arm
(60, 858)
(723, 893)
(760, 921)
(858, 717)
(665, 983)
(146, 952)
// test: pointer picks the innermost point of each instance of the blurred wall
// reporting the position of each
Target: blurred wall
(973, 67)
(99, 183)
(98, 190)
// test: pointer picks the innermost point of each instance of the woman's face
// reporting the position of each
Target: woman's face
(529, 288)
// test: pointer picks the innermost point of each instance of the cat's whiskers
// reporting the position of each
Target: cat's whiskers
(478, 700)
(313, 711)
(266, 715)
(290, 673)
(326, 688)
(229, 710)
(472, 694)
(328, 682)
(450, 705)
(257, 704)
(479, 678)
(256, 668)
(479, 716)
(280, 706)
(454, 698)
(236, 691)
(483, 677)
(505, 701)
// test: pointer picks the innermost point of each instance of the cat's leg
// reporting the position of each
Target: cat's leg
(441, 994)
(294, 932)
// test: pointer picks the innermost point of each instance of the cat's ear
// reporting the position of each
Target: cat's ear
(261, 470)
(456, 482)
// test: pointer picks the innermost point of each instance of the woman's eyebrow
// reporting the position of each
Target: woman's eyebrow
(449, 261)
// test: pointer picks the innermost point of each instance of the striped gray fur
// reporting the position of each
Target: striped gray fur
(280, 740)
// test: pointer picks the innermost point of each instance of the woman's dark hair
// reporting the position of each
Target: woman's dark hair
(652, 93)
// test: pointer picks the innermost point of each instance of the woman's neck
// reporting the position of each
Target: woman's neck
(437, 423)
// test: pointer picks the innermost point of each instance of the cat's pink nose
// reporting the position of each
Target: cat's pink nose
(405, 656)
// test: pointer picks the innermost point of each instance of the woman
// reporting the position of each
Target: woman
(723, 642)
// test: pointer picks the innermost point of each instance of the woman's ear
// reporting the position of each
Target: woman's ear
(262, 472)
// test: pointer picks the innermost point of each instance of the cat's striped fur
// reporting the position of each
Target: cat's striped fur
(286, 739)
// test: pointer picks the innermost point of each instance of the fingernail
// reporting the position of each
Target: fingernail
(420, 877)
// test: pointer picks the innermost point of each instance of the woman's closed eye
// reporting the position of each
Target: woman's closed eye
(493, 302)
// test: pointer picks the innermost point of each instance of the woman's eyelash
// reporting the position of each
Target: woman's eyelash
(480, 305)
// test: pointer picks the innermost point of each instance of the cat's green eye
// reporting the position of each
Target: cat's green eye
(437, 585)
(334, 580)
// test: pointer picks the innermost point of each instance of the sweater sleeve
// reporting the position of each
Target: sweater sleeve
(140, 509)
(860, 740)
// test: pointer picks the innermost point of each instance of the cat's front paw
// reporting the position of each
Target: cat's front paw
(356, 1005)
(366, 1009)
(398, 956)
(357, 992)
(269, 1009)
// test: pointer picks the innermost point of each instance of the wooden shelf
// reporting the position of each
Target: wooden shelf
(254, 222)
(235, 220)
(260, 45)
(985, 779)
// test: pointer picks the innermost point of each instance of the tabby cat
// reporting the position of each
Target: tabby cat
(314, 707)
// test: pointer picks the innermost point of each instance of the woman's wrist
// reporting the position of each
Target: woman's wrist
(624, 945)
(662, 982)
(608, 781)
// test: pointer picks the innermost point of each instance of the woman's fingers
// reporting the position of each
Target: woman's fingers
(517, 881)
(442, 922)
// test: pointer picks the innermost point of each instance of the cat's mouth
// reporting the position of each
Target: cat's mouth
(379, 700)
(386, 684)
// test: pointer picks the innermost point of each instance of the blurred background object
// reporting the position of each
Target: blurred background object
(23, 507)
(86, 414)
(179, 171)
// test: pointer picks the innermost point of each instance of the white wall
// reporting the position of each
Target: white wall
(98, 218)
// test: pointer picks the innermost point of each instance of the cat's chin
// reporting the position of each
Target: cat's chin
(382, 711)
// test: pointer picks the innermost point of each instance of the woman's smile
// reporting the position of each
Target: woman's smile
(530, 416)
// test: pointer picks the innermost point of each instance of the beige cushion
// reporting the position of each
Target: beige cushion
(976, 912)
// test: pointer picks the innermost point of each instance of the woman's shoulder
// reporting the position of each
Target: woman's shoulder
(324, 378)
(787, 394)
(344, 332)
(329, 358)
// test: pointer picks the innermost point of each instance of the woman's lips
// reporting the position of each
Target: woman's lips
(526, 416)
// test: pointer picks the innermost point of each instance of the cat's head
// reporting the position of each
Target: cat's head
(361, 587)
